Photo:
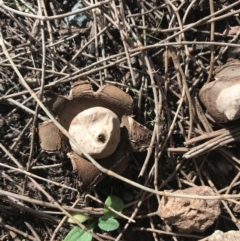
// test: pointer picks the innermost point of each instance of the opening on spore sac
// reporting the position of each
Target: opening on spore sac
(101, 138)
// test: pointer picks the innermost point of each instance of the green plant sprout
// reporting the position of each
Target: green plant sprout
(106, 223)
(151, 122)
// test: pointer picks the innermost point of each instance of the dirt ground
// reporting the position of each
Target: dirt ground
(160, 53)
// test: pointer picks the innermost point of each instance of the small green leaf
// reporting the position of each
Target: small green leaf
(109, 224)
(79, 216)
(78, 234)
(114, 202)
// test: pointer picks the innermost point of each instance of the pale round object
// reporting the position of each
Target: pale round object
(97, 131)
(228, 102)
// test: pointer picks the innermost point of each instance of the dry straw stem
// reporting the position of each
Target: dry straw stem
(64, 131)
(168, 233)
(53, 17)
(207, 19)
(20, 169)
(30, 175)
(211, 39)
(80, 73)
(224, 137)
(64, 211)
(8, 227)
(5, 195)
(62, 222)
(223, 201)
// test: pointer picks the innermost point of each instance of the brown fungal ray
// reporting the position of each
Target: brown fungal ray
(209, 96)
(114, 96)
(90, 175)
(82, 98)
(230, 69)
(81, 89)
(54, 141)
(56, 103)
(138, 135)
(108, 96)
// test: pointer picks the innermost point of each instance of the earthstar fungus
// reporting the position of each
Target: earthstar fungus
(97, 131)
(100, 122)
(221, 97)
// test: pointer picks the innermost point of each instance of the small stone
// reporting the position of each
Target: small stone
(190, 215)
(221, 236)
